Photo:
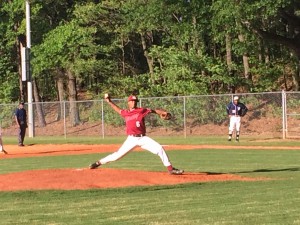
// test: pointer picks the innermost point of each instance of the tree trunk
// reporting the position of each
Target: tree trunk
(74, 112)
(247, 73)
(267, 55)
(146, 54)
(123, 57)
(39, 108)
(229, 59)
(195, 37)
(260, 52)
(228, 52)
(60, 94)
(296, 77)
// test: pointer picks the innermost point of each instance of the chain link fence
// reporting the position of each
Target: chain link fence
(271, 114)
(291, 105)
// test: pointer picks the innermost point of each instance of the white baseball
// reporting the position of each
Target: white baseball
(106, 95)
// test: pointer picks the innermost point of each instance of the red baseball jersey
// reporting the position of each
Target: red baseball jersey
(135, 123)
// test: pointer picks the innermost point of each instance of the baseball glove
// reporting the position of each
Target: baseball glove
(244, 112)
(166, 116)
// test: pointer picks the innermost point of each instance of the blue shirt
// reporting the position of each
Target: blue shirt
(21, 115)
(236, 110)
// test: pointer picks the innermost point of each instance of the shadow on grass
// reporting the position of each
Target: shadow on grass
(213, 173)
(271, 170)
(293, 169)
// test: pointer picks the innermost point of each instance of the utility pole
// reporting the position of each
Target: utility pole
(28, 73)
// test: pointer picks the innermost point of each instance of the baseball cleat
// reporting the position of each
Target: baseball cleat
(3, 151)
(94, 165)
(175, 171)
(229, 139)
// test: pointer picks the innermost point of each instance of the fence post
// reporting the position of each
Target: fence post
(184, 116)
(102, 113)
(284, 116)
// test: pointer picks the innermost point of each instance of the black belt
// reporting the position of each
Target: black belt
(137, 135)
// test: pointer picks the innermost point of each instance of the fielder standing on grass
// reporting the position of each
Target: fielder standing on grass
(235, 110)
(136, 131)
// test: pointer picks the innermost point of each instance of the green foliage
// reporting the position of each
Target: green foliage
(293, 102)
(11, 15)
(268, 78)
(202, 110)
(224, 19)
(185, 42)
(186, 73)
(95, 113)
(113, 118)
(9, 86)
(9, 91)
(7, 115)
(64, 47)
(264, 105)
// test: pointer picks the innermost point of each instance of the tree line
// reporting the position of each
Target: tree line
(150, 47)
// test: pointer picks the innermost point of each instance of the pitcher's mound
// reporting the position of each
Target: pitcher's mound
(80, 179)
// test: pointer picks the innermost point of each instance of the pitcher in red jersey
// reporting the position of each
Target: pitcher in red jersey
(136, 130)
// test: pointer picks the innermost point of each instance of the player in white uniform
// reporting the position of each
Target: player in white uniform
(235, 110)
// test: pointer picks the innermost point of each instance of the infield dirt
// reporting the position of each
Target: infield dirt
(83, 178)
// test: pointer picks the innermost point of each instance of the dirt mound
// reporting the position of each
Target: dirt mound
(81, 179)
(72, 179)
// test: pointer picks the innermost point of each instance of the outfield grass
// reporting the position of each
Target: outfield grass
(274, 201)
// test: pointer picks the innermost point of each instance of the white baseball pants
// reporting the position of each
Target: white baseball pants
(235, 124)
(145, 143)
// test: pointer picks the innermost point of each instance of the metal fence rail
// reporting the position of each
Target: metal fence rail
(271, 114)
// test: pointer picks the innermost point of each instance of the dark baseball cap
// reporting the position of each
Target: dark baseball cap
(22, 103)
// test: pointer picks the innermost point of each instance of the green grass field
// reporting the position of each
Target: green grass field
(273, 201)
(192, 140)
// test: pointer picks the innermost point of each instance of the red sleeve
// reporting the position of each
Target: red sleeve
(147, 111)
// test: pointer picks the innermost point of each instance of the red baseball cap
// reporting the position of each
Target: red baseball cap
(132, 98)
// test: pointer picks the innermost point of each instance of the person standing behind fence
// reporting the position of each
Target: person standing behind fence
(235, 110)
(21, 120)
